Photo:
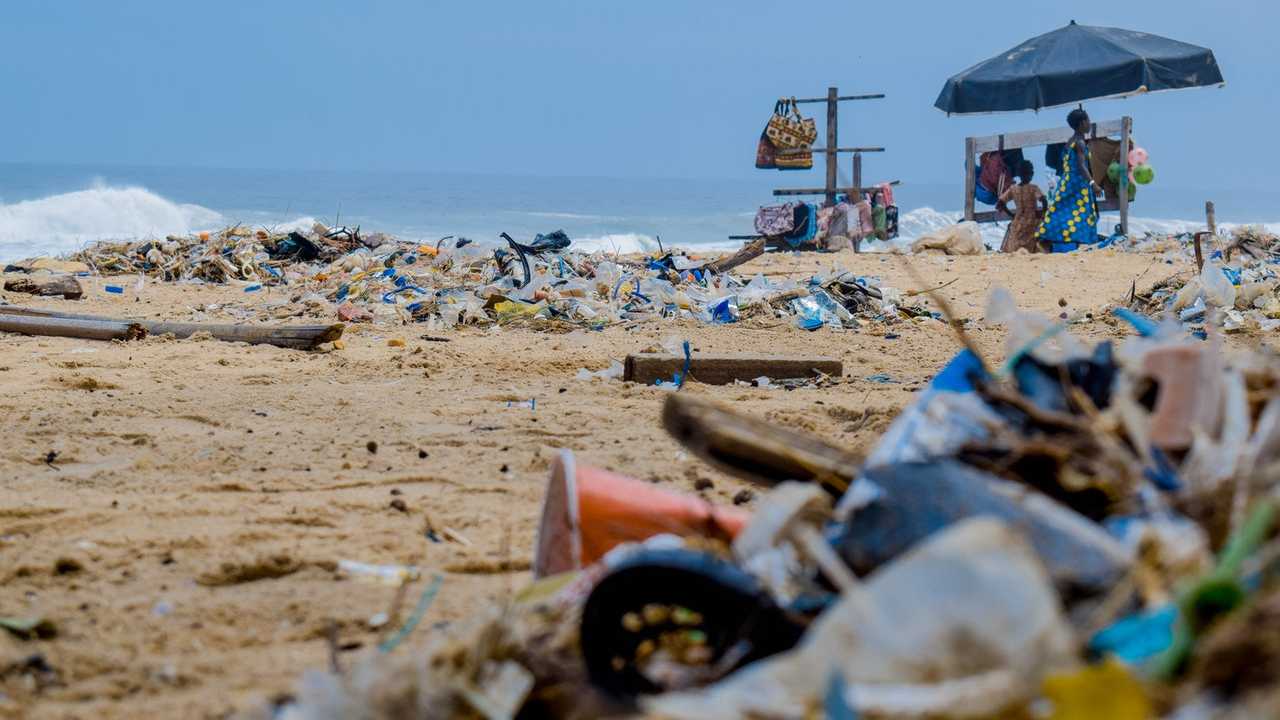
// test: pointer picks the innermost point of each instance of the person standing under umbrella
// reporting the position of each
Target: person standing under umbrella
(1072, 216)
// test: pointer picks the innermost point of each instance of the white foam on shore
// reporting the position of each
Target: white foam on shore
(67, 222)
(630, 243)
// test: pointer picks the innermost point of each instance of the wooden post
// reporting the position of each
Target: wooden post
(1126, 128)
(970, 178)
(1211, 216)
(833, 104)
(857, 172)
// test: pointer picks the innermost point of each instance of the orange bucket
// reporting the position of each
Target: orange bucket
(588, 511)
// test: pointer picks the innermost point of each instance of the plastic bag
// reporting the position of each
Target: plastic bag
(961, 239)
(1218, 290)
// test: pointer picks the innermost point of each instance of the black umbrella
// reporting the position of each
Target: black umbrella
(1078, 63)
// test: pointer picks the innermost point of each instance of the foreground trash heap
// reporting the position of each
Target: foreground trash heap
(339, 273)
(1080, 532)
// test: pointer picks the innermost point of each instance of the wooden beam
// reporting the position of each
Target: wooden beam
(1032, 138)
(843, 98)
(833, 128)
(801, 151)
(71, 327)
(298, 337)
(755, 449)
(989, 216)
(970, 177)
(823, 191)
(646, 368)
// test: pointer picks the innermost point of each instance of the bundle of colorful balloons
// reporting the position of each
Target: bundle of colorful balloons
(1140, 172)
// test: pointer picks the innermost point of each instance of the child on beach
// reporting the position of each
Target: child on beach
(1029, 207)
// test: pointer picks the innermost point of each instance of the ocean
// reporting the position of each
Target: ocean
(50, 209)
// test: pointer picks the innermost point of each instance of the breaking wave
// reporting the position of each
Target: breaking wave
(65, 223)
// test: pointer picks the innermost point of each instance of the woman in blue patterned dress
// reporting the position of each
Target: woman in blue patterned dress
(1072, 217)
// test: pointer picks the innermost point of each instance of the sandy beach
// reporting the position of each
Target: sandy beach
(178, 508)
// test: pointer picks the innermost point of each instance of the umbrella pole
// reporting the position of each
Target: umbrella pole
(970, 177)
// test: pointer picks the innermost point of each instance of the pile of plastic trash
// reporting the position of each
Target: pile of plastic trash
(1078, 532)
(1237, 289)
(456, 281)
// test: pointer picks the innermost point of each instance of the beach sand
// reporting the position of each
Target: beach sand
(184, 538)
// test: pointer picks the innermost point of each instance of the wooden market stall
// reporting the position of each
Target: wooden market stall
(831, 153)
(976, 146)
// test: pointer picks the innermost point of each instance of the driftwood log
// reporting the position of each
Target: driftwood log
(749, 251)
(299, 337)
(646, 368)
(65, 286)
(71, 327)
(757, 450)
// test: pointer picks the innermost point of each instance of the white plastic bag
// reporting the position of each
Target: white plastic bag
(1218, 290)
(961, 239)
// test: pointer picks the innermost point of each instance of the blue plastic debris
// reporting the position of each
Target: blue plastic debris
(883, 379)
(834, 705)
(1164, 475)
(688, 362)
(116, 289)
(1137, 638)
(724, 310)
(253, 288)
(1145, 326)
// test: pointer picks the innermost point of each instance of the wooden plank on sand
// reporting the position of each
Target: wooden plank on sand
(647, 368)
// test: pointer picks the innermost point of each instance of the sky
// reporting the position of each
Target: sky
(654, 89)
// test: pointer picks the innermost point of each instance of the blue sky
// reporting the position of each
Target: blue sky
(661, 88)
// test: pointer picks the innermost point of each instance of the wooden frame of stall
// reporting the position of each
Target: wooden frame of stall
(975, 146)
(832, 152)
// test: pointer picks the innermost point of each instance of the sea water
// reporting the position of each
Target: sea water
(55, 209)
